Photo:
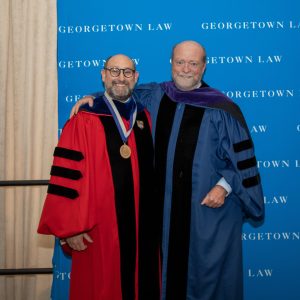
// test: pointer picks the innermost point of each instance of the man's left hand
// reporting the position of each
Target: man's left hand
(215, 198)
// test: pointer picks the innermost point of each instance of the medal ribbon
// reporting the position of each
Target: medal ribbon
(118, 119)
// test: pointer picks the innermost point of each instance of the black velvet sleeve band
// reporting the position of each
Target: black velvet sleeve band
(65, 173)
(243, 145)
(251, 181)
(68, 154)
(247, 163)
(62, 191)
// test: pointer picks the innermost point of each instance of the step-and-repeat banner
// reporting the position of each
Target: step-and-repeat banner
(253, 50)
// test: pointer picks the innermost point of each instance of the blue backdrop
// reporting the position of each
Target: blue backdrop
(253, 57)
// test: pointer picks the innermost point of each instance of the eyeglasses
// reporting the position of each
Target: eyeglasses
(115, 72)
(191, 64)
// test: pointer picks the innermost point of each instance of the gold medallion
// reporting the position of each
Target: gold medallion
(125, 151)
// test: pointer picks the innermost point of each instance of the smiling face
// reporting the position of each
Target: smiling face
(119, 87)
(188, 65)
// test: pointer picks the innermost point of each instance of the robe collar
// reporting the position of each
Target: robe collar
(125, 109)
(202, 96)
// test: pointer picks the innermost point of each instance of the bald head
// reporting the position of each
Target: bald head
(119, 58)
(119, 77)
(190, 46)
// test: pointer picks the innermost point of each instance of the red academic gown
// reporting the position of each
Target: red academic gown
(93, 189)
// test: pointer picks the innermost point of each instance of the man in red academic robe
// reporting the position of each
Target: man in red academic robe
(100, 199)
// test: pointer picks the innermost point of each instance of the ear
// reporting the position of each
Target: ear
(136, 76)
(103, 75)
(203, 68)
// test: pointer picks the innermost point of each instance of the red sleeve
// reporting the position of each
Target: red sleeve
(76, 182)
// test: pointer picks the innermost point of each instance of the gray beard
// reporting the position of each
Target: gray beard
(116, 96)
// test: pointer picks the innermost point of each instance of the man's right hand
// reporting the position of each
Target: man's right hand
(80, 102)
(76, 242)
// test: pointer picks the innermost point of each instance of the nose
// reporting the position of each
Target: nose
(186, 67)
(121, 76)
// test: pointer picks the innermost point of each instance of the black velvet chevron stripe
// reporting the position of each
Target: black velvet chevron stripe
(65, 173)
(180, 219)
(251, 181)
(164, 123)
(247, 163)
(124, 203)
(68, 154)
(150, 215)
(241, 146)
(62, 191)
